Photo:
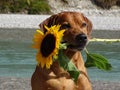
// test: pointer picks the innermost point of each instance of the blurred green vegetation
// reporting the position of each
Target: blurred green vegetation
(25, 6)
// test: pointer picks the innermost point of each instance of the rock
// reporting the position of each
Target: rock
(106, 4)
(87, 7)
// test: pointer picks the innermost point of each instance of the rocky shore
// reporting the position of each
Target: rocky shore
(85, 6)
(16, 27)
(24, 84)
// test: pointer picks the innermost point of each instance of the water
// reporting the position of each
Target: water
(18, 60)
(112, 53)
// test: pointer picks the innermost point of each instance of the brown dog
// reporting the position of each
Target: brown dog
(78, 29)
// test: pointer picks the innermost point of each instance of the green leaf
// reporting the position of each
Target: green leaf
(63, 45)
(28, 2)
(64, 62)
(96, 60)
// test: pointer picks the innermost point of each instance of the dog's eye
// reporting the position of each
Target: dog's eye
(84, 24)
(65, 26)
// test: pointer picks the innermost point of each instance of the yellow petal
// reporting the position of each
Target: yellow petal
(61, 32)
(40, 32)
(39, 36)
(48, 29)
(48, 63)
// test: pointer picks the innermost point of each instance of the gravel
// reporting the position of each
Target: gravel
(24, 84)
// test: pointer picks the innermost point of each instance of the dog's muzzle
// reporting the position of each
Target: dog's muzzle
(81, 38)
(80, 42)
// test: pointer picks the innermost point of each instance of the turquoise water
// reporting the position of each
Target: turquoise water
(18, 60)
(112, 53)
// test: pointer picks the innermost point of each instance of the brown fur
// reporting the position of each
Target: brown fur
(57, 78)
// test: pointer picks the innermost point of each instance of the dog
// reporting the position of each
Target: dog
(77, 33)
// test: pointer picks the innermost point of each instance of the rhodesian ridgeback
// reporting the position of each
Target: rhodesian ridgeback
(77, 33)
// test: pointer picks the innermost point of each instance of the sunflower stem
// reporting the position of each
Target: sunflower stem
(86, 51)
(63, 45)
(104, 40)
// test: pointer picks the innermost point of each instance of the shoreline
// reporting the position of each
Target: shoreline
(13, 83)
(15, 27)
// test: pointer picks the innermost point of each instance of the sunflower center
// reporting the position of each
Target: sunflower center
(48, 45)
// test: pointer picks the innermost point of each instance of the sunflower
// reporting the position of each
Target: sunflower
(47, 45)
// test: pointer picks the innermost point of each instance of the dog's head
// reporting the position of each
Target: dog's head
(78, 28)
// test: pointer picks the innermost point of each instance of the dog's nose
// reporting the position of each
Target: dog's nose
(81, 38)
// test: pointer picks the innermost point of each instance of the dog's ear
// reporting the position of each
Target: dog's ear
(41, 25)
(49, 22)
(89, 26)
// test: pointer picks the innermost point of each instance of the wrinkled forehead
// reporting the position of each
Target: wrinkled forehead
(72, 17)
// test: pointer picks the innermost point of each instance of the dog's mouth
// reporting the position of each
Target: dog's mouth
(78, 43)
(80, 46)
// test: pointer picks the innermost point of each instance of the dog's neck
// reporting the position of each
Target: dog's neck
(70, 53)
(55, 67)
